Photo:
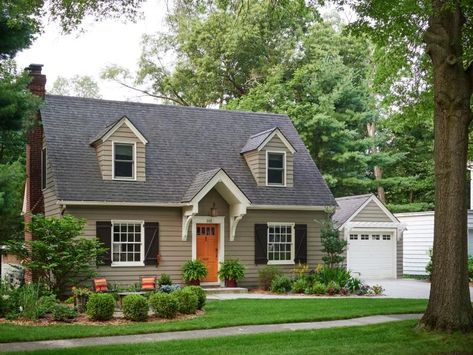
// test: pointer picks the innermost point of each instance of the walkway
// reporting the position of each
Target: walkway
(203, 333)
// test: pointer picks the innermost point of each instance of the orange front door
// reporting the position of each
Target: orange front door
(207, 249)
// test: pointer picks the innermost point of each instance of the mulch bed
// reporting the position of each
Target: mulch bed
(83, 319)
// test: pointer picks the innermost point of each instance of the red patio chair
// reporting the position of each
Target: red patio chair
(148, 283)
(100, 284)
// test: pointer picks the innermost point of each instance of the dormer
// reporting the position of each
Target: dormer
(120, 149)
(270, 157)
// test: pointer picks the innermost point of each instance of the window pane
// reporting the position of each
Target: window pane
(275, 160)
(275, 176)
(123, 169)
(124, 151)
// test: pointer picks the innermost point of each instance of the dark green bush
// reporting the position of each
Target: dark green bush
(201, 296)
(267, 275)
(100, 306)
(281, 284)
(165, 279)
(316, 289)
(135, 308)
(63, 313)
(164, 305)
(339, 275)
(187, 300)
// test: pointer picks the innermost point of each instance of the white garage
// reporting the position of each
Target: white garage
(373, 234)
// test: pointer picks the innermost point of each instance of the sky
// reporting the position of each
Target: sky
(103, 43)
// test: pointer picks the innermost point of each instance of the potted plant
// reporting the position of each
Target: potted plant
(193, 271)
(232, 270)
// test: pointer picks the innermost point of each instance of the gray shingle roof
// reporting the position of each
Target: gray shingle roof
(256, 140)
(200, 180)
(347, 206)
(183, 142)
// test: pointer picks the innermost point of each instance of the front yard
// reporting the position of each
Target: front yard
(226, 313)
(389, 338)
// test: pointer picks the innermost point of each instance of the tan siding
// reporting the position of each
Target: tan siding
(371, 213)
(399, 261)
(256, 161)
(243, 247)
(174, 252)
(104, 153)
(51, 208)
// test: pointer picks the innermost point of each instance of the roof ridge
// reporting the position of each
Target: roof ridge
(172, 106)
(352, 197)
(264, 132)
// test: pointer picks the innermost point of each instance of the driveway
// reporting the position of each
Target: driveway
(406, 288)
(394, 288)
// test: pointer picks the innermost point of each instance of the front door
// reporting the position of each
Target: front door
(207, 249)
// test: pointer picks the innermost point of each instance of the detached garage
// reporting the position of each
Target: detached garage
(374, 237)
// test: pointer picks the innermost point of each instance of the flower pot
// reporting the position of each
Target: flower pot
(230, 283)
(194, 282)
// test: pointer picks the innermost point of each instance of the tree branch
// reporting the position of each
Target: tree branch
(177, 101)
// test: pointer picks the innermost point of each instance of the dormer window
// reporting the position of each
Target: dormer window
(123, 161)
(275, 165)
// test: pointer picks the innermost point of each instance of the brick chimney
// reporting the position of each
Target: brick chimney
(34, 144)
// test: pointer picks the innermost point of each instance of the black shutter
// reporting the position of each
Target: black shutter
(104, 234)
(261, 243)
(151, 243)
(301, 244)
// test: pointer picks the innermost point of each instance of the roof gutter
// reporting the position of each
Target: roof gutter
(128, 204)
(291, 207)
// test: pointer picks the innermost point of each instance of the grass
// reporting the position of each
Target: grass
(388, 338)
(227, 313)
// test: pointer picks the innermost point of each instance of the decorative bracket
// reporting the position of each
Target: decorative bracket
(186, 221)
(233, 225)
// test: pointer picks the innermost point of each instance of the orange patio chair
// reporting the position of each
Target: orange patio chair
(148, 283)
(101, 284)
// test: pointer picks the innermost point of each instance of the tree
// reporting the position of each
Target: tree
(57, 255)
(218, 51)
(445, 26)
(332, 245)
(12, 177)
(81, 86)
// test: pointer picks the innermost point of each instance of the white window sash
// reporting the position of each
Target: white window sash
(292, 243)
(141, 243)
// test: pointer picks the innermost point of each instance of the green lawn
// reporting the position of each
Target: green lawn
(228, 313)
(388, 338)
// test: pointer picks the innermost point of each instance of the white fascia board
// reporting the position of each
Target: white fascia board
(131, 126)
(281, 136)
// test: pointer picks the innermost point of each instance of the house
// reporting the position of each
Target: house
(160, 185)
(374, 236)
(418, 239)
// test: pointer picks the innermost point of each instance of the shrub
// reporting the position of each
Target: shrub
(201, 296)
(135, 307)
(164, 305)
(187, 300)
(281, 284)
(353, 284)
(344, 291)
(332, 245)
(169, 288)
(231, 269)
(194, 270)
(318, 288)
(377, 289)
(100, 306)
(165, 279)
(63, 313)
(339, 275)
(267, 275)
(363, 290)
(57, 254)
(299, 285)
(30, 301)
(333, 287)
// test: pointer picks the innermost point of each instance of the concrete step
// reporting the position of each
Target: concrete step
(219, 290)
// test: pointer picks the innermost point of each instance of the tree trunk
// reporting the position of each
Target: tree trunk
(377, 170)
(449, 307)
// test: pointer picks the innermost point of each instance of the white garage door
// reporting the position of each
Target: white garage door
(372, 254)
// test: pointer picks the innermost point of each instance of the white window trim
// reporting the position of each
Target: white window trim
(284, 167)
(293, 244)
(134, 161)
(44, 166)
(142, 249)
